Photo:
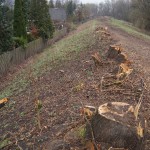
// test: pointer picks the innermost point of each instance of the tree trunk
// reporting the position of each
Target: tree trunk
(114, 123)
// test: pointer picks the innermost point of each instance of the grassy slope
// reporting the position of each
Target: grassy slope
(128, 28)
(53, 55)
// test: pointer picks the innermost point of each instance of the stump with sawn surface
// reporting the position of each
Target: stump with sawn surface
(114, 123)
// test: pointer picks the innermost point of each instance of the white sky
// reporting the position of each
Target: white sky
(91, 1)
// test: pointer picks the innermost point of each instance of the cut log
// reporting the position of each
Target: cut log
(114, 51)
(114, 123)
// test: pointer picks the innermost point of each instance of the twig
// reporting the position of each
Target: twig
(113, 83)
(101, 84)
(39, 119)
(137, 108)
(108, 90)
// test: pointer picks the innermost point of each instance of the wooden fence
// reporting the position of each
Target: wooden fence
(19, 55)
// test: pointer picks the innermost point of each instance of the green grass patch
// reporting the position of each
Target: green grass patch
(128, 28)
(51, 57)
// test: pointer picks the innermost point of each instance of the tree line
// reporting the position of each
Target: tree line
(26, 21)
(30, 19)
(76, 10)
(135, 11)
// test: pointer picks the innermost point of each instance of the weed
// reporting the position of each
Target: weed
(82, 131)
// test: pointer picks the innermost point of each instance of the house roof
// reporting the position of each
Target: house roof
(58, 14)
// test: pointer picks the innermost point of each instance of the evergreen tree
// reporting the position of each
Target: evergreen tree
(40, 17)
(71, 6)
(6, 41)
(25, 9)
(19, 25)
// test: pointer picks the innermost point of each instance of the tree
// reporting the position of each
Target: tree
(40, 17)
(58, 4)
(92, 8)
(79, 13)
(25, 9)
(51, 4)
(121, 9)
(116, 8)
(140, 13)
(6, 31)
(19, 25)
(70, 7)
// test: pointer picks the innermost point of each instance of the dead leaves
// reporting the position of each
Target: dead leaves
(89, 145)
(78, 87)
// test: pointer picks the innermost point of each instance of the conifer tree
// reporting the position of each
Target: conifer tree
(25, 9)
(19, 25)
(6, 32)
(70, 8)
(40, 17)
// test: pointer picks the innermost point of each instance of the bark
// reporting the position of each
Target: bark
(97, 59)
(113, 51)
(114, 123)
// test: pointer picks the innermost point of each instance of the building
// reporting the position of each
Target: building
(58, 14)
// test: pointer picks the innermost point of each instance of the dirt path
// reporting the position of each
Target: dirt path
(138, 50)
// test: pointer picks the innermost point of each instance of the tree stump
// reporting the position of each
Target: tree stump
(3, 102)
(97, 59)
(114, 123)
(123, 71)
(122, 58)
(114, 51)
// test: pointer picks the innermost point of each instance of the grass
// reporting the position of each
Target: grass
(128, 28)
(51, 56)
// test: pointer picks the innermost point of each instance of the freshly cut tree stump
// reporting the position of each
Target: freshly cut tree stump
(97, 59)
(114, 51)
(114, 123)
(101, 29)
(122, 58)
(123, 71)
(3, 102)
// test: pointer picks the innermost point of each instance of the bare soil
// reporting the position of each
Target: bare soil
(66, 88)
